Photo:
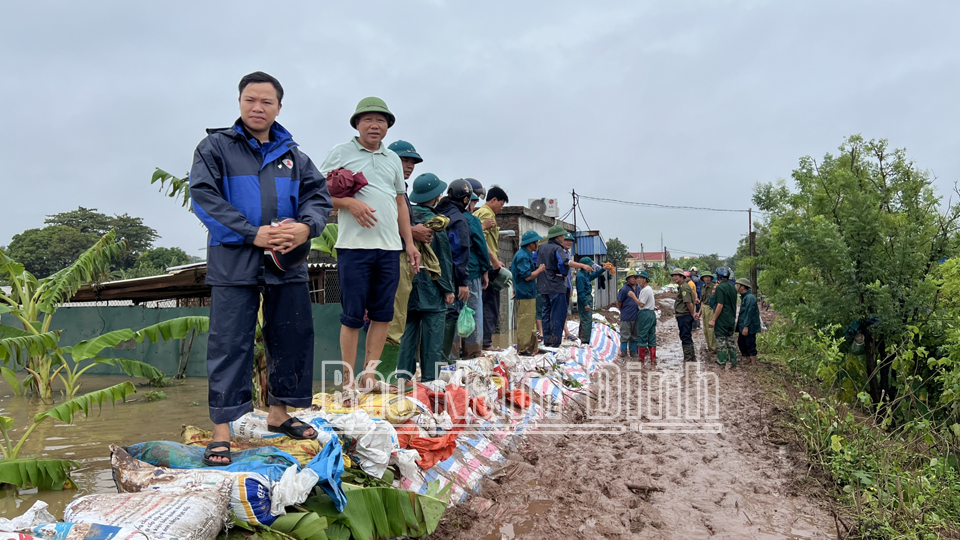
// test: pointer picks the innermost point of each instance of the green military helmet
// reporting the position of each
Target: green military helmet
(677, 272)
(745, 282)
(372, 105)
(426, 188)
(644, 275)
(529, 237)
(405, 149)
(568, 236)
(587, 261)
(555, 231)
(708, 276)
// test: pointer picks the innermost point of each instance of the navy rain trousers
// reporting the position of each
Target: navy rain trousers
(554, 318)
(287, 335)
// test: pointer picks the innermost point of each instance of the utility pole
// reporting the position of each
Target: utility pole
(574, 193)
(753, 251)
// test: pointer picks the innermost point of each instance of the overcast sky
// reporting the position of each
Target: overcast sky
(683, 103)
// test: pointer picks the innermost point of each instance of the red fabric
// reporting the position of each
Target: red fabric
(479, 407)
(343, 183)
(519, 398)
(433, 450)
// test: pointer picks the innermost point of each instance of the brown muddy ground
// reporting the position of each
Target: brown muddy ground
(743, 482)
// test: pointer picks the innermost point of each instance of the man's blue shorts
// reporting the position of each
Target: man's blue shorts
(368, 284)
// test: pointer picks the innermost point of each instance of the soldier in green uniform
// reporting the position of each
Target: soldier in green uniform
(686, 313)
(725, 317)
(748, 322)
(430, 295)
(585, 299)
(707, 303)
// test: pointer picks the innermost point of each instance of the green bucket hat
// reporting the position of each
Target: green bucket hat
(426, 188)
(555, 231)
(405, 149)
(530, 237)
(587, 261)
(375, 105)
(745, 282)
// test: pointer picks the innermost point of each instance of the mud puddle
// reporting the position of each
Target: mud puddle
(698, 459)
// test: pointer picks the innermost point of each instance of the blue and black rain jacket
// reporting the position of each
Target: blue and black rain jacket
(239, 184)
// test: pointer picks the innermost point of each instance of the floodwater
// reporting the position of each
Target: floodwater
(87, 439)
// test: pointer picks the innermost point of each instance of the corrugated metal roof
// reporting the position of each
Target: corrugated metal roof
(590, 244)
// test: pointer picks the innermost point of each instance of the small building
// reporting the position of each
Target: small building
(641, 260)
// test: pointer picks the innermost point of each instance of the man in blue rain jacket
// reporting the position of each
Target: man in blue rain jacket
(244, 178)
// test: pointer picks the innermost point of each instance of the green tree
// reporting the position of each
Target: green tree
(85, 220)
(617, 252)
(163, 258)
(50, 249)
(139, 237)
(856, 243)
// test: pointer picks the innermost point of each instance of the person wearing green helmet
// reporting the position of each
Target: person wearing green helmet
(525, 272)
(725, 317)
(629, 307)
(646, 319)
(585, 297)
(686, 312)
(707, 301)
(429, 298)
(409, 158)
(748, 321)
(374, 228)
(552, 284)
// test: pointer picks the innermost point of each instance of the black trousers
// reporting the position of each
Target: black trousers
(287, 336)
(685, 325)
(747, 344)
(491, 315)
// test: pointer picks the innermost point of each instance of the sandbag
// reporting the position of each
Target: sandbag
(35, 515)
(392, 408)
(253, 425)
(89, 531)
(197, 512)
(304, 451)
(250, 498)
(370, 441)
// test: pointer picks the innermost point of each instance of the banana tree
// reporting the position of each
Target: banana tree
(50, 473)
(36, 347)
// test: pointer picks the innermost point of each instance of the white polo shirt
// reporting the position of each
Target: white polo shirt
(384, 172)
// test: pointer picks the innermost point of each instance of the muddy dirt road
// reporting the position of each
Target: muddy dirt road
(731, 476)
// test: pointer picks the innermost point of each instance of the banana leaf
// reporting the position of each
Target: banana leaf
(382, 513)
(133, 368)
(177, 328)
(65, 411)
(30, 344)
(179, 188)
(39, 473)
(327, 239)
(92, 265)
(11, 377)
(6, 423)
(303, 526)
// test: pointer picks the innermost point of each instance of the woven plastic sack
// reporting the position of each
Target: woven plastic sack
(465, 323)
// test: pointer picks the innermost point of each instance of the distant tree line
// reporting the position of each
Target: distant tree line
(66, 235)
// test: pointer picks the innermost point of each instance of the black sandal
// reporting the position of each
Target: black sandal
(210, 452)
(294, 432)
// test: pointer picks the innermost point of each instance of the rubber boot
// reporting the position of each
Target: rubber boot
(689, 354)
(623, 350)
(388, 362)
(449, 333)
(633, 349)
(643, 354)
(721, 356)
(653, 356)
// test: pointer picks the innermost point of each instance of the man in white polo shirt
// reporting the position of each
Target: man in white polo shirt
(371, 224)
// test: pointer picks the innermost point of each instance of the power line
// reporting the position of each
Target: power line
(672, 249)
(667, 206)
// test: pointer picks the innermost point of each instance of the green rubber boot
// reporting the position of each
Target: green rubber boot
(449, 333)
(388, 362)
